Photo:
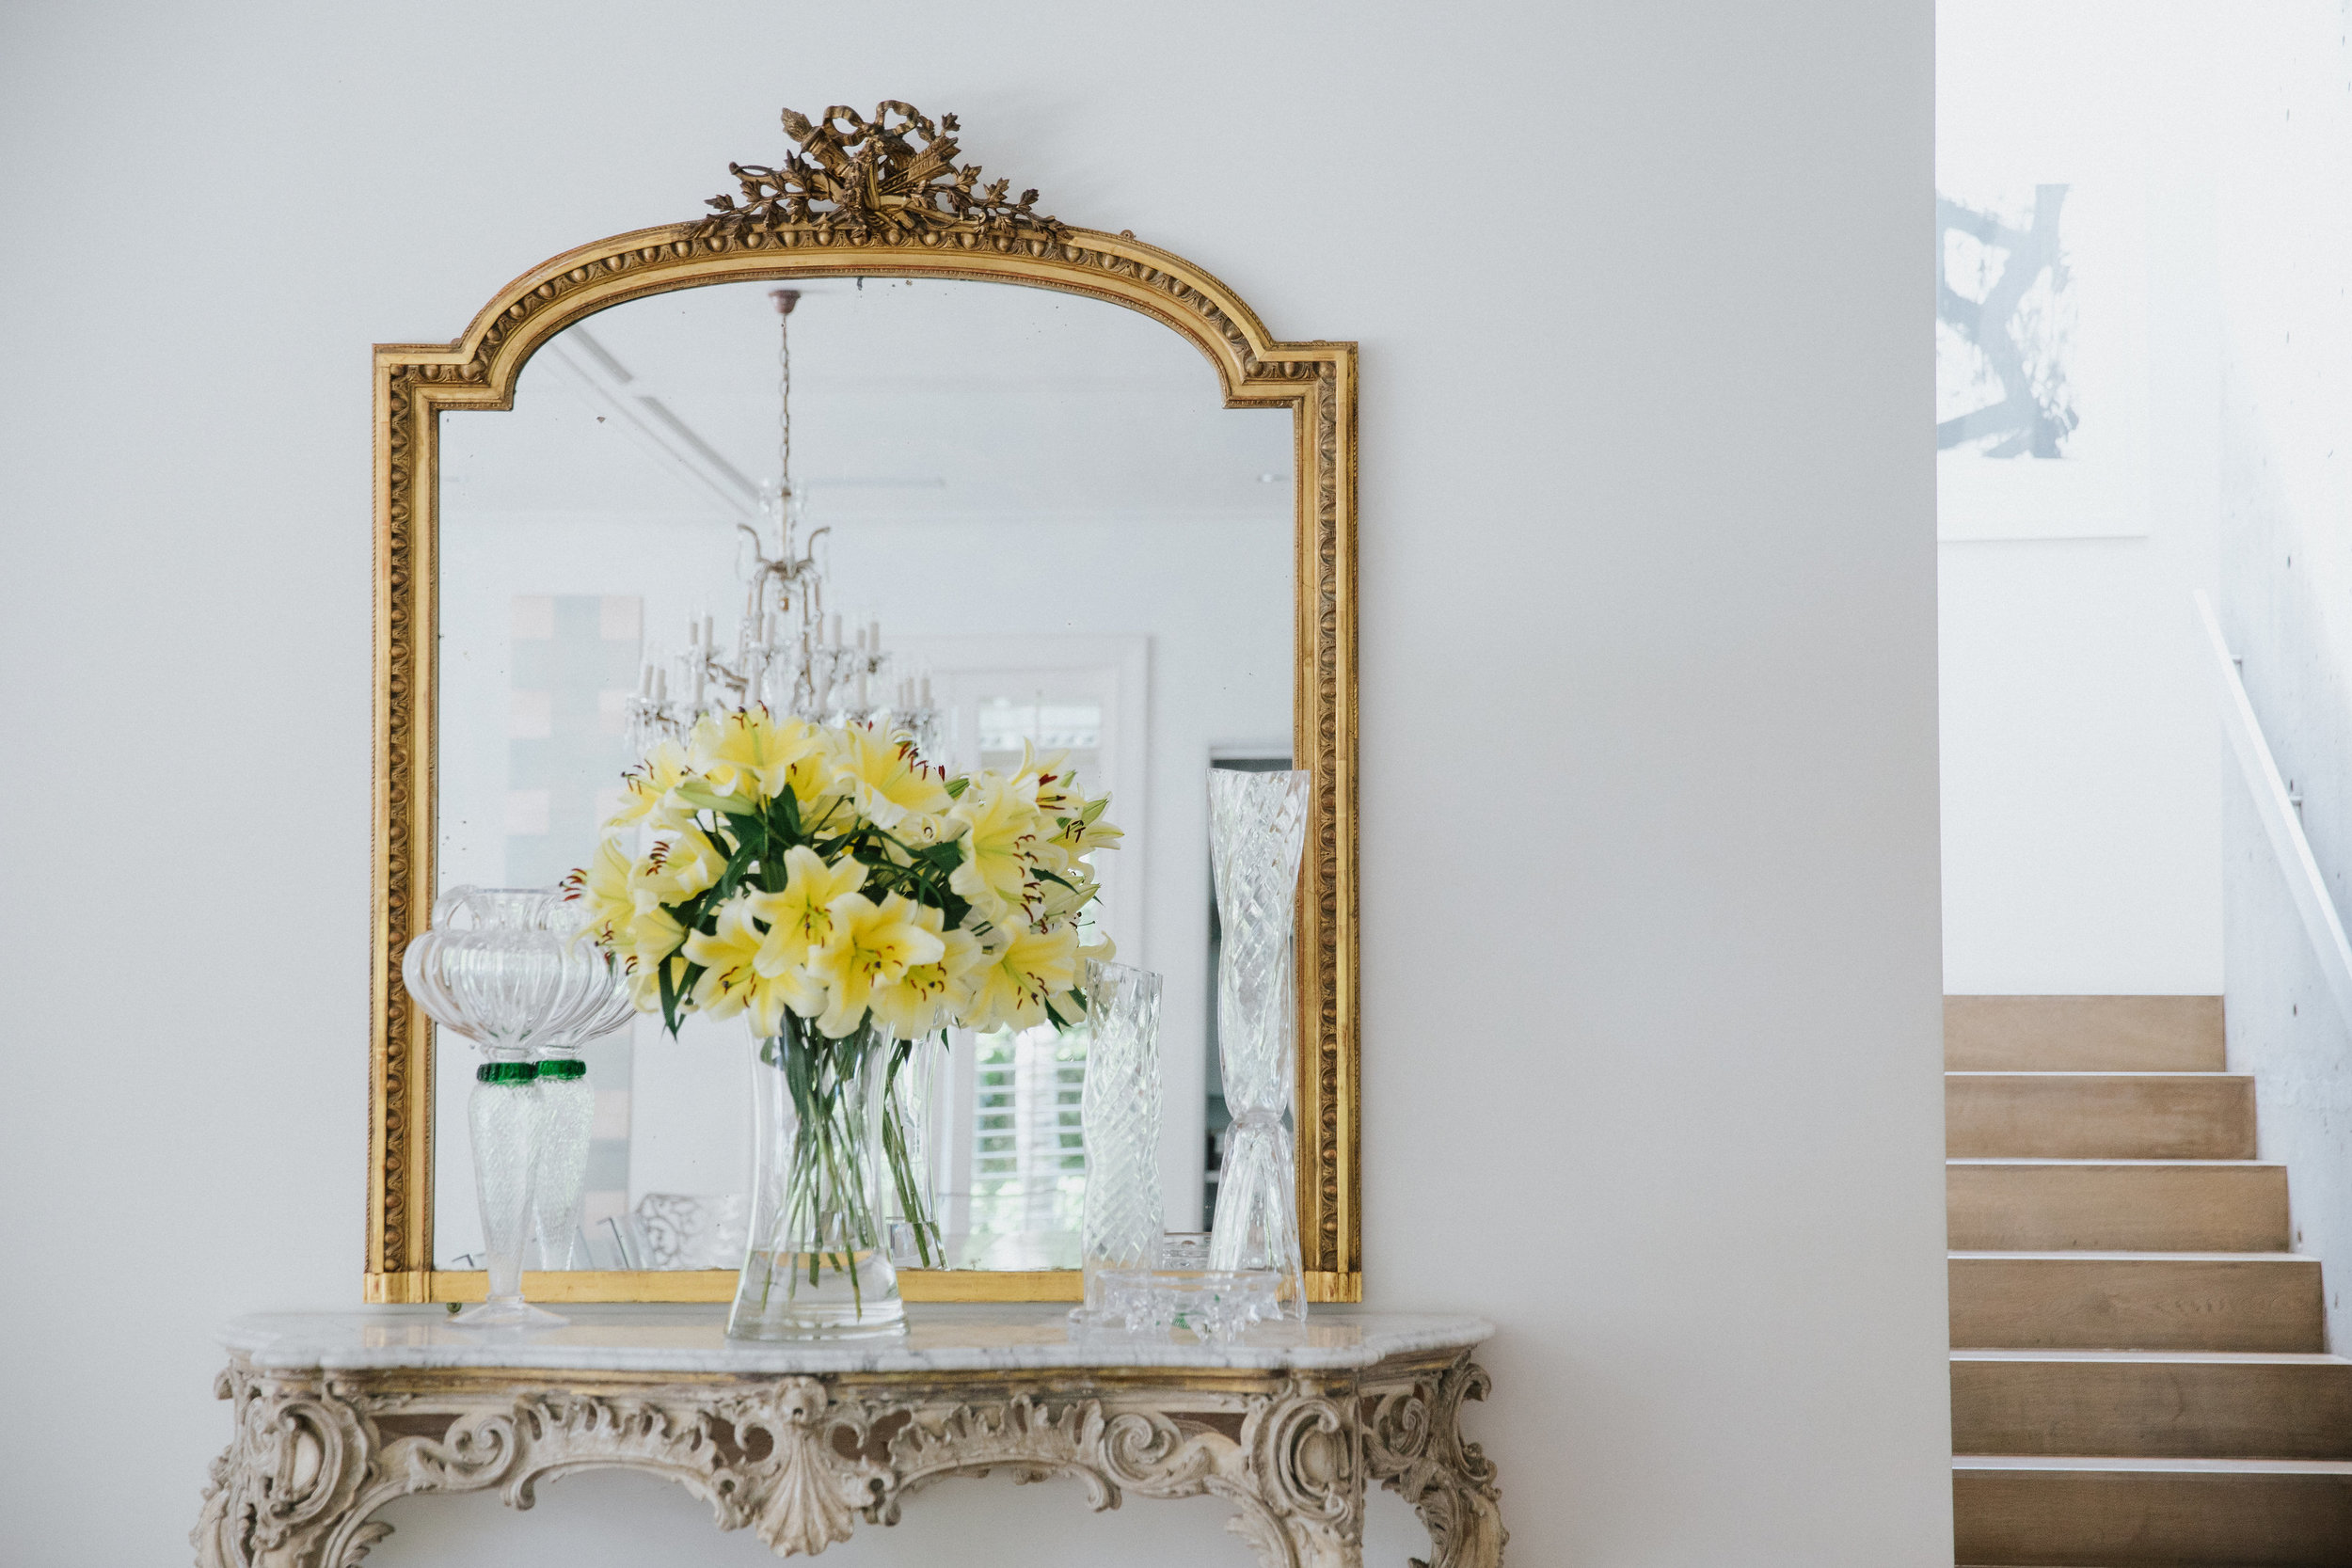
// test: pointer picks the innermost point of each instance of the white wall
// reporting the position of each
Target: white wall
(1651, 1033)
(2081, 768)
(2285, 601)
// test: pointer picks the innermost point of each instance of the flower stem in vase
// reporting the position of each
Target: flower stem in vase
(815, 1266)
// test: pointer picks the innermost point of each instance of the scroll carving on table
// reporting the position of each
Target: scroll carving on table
(800, 1461)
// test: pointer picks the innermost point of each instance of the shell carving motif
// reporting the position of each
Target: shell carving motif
(813, 1494)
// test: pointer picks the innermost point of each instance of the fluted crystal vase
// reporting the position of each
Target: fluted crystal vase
(1119, 1111)
(600, 1005)
(818, 1266)
(1257, 832)
(567, 1112)
(502, 1116)
(497, 968)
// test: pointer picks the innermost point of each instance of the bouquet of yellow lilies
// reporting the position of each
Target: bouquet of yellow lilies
(828, 885)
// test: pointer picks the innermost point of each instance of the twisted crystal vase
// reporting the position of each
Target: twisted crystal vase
(1257, 832)
(493, 969)
(817, 1266)
(1120, 1110)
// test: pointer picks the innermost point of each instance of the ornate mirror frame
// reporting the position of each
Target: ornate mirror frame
(878, 199)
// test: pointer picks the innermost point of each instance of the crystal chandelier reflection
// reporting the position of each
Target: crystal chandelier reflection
(788, 654)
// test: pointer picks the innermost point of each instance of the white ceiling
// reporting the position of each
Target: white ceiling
(925, 400)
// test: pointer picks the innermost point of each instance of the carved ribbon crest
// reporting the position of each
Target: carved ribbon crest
(894, 176)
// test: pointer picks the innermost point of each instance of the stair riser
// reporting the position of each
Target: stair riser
(2062, 1117)
(2121, 1519)
(2258, 1303)
(2156, 1410)
(2083, 1034)
(2117, 1208)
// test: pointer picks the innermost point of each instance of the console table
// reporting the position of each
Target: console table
(338, 1414)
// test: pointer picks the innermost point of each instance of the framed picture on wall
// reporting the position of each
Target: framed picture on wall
(2041, 359)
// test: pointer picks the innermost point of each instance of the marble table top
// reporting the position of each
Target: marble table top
(940, 1338)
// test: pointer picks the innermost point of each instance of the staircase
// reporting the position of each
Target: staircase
(2138, 1373)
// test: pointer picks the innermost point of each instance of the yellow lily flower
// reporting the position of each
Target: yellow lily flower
(1022, 970)
(654, 934)
(749, 754)
(731, 982)
(1054, 786)
(928, 996)
(1000, 825)
(799, 919)
(650, 790)
(644, 985)
(602, 885)
(1080, 833)
(1059, 903)
(883, 776)
(683, 863)
(872, 945)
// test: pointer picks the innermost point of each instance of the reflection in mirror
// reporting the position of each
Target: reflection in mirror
(1042, 500)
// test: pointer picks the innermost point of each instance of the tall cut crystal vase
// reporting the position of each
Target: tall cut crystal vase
(1257, 832)
(493, 969)
(1119, 1115)
(818, 1263)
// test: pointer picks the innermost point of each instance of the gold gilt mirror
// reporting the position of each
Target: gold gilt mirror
(1067, 476)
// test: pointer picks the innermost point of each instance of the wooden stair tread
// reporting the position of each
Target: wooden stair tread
(2086, 1254)
(2122, 1463)
(2253, 1301)
(2208, 1404)
(2102, 1074)
(2121, 1031)
(2138, 1372)
(2159, 1357)
(2099, 1116)
(1999, 1161)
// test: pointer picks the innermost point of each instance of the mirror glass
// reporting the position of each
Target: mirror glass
(1042, 500)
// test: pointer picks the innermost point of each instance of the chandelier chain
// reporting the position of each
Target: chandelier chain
(784, 393)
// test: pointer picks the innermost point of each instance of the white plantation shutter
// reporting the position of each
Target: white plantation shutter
(1028, 1163)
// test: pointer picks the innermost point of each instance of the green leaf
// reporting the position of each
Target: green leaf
(669, 996)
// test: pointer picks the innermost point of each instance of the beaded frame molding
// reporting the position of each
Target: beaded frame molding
(883, 197)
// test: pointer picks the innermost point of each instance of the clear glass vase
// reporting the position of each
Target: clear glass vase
(597, 1002)
(502, 1114)
(568, 1110)
(816, 1265)
(1257, 832)
(911, 1084)
(496, 968)
(1120, 1110)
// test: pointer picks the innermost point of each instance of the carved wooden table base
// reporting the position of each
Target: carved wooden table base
(801, 1455)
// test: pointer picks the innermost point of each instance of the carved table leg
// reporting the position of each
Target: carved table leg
(1415, 1449)
(1302, 1501)
(288, 1481)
